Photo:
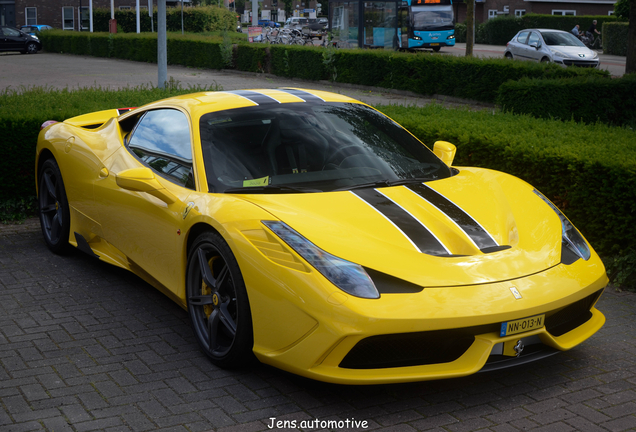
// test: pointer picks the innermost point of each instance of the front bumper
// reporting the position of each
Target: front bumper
(397, 339)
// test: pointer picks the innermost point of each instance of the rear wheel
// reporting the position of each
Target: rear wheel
(508, 56)
(217, 302)
(55, 218)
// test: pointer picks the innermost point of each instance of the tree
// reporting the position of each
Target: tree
(470, 27)
(621, 8)
(630, 64)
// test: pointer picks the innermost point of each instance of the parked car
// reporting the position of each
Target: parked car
(268, 23)
(546, 45)
(296, 22)
(311, 231)
(314, 28)
(35, 29)
(12, 39)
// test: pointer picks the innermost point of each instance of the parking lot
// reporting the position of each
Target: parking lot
(85, 346)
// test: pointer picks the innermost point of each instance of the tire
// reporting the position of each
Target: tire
(217, 302)
(508, 56)
(436, 49)
(545, 60)
(31, 48)
(55, 218)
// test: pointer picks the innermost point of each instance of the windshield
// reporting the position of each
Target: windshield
(561, 39)
(310, 147)
(431, 17)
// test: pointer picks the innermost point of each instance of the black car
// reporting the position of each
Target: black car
(12, 39)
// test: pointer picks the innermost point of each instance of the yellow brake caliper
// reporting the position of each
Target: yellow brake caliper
(206, 290)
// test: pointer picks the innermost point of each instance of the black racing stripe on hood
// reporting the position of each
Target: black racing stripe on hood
(412, 228)
(306, 96)
(470, 226)
(256, 97)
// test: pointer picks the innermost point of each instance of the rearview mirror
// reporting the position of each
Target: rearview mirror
(445, 151)
(143, 180)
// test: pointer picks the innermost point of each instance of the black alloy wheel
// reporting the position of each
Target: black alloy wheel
(217, 302)
(55, 218)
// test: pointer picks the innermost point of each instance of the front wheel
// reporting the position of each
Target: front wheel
(55, 218)
(217, 302)
(545, 60)
(436, 49)
(32, 48)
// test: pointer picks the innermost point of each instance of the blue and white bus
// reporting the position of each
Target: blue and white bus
(426, 24)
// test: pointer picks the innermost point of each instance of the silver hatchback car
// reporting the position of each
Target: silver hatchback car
(545, 45)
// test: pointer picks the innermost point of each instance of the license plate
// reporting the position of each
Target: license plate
(522, 325)
(434, 44)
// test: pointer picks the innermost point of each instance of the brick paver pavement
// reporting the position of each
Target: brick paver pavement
(85, 346)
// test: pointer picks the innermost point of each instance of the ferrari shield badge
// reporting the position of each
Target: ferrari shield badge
(515, 292)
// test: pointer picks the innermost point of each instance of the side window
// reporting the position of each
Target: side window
(522, 37)
(534, 37)
(161, 139)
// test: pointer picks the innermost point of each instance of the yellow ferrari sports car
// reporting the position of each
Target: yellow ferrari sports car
(311, 232)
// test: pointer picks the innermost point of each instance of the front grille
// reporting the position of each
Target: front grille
(570, 317)
(581, 63)
(413, 349)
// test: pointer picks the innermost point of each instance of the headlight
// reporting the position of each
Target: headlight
(451, 36)
(571, 236)
(35, 37)
(349, 277)
(417, 38)
(594, 54)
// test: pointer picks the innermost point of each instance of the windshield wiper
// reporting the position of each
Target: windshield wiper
(270, 189)
(381, 183)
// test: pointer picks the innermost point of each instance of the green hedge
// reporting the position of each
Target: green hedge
(195, 19)
(589, 171)
(423, 73)
(615, 38)
(588, 99)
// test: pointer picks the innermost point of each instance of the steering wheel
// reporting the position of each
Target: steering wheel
(342, 153)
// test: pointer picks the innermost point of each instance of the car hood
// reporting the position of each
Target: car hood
(491, 227)
(574, 51)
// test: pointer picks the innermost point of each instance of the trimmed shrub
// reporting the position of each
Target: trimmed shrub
(589, 171)
(587, 99)
(615, 38)
(500, 30)
(195, 19)
(252, 58)
(423, 73)
(298, 61)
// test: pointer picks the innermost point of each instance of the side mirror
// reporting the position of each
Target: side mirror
(445, 151)
(143, 180)
(536, 45)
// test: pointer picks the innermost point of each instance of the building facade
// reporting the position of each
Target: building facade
(64, 14)
(488, 9)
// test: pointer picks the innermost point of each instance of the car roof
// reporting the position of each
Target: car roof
(206, 102)
(543, 30)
